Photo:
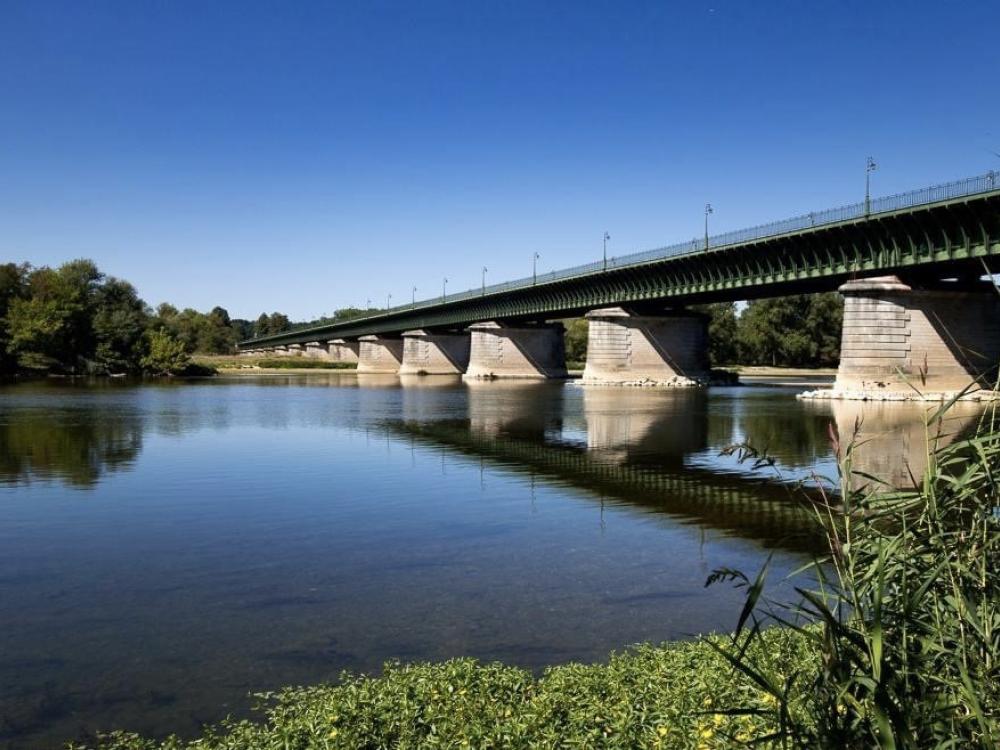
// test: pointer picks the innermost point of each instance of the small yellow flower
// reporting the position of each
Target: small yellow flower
(334, 732)
(662, 731)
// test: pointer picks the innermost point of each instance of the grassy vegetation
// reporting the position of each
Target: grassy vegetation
(896, 644)
(224, 362)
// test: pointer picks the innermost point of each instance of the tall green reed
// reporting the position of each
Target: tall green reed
(902, 609)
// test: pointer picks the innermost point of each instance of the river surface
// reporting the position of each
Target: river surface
(168, 549)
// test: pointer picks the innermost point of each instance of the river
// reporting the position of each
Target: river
(166, 549)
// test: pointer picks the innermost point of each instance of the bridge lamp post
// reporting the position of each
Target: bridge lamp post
(606, 238)
(870, 166)
(444, 289)
(708, 210)
(484, 280)
(388, 299)
(534, 268)
(368, 304)
(414, 298)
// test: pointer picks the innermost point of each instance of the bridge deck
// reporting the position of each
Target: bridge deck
(950, 228)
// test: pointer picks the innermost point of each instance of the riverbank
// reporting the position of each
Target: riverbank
(663, 696)
(230, 364)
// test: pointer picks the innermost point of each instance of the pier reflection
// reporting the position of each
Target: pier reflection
(623, 447)
(891, 439)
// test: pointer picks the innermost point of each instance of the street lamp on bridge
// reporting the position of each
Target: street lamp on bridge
(484, 280)
(606, 238)
(414, 296)
(388, 299)
(870, 166)
(534, 268)
(444, 288)
(708, 210)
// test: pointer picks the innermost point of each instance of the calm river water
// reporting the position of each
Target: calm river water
(166, 549)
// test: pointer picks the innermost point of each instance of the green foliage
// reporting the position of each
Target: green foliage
(302, 363)
(269, 324)
(648, 697)
(50, 327)
(908, 602)
(796, 331)
(722, 332)
(119, 323)
(576, 340)
(210, 333)
(13, 285)
(166, 355)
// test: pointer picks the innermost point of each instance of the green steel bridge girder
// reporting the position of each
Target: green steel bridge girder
(959, 237)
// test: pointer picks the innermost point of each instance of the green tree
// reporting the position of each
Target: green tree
(278, 322)
(51, 328)
(722, 332)
(802, 330)
(119, 324)
(263, 325)
(166, 354)
(13, 285)
(576, 340)
(214, 333)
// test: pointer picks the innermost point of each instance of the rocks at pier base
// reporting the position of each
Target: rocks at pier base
(833, 394)
(928, 344)
(665, 351)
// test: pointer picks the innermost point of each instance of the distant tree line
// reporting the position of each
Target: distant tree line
(74, 319)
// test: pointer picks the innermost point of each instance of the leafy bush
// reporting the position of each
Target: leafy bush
(166, 355)
(650, 697)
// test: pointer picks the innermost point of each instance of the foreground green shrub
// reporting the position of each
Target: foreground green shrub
(647, 697)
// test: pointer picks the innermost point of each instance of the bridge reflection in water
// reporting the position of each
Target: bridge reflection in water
(658, 450)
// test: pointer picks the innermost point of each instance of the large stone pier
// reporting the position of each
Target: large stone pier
(380, 354)
(666, 350)
(499, 350)
(900, 342)
(341, 350)
(435, 353)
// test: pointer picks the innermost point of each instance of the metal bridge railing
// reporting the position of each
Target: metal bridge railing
(985, 183)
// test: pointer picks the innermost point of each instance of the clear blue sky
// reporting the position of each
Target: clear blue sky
(306, 156)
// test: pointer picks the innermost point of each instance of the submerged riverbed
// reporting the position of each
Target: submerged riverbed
(165, 549)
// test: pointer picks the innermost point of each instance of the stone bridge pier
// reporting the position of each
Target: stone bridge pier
(666, 350)
(341, 350)
(500, 350)
(435, 352)
(380, 354)
(902, 342)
